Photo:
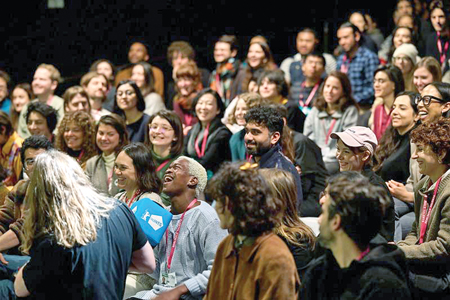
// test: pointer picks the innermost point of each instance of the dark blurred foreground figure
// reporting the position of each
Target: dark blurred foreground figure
(352, 214)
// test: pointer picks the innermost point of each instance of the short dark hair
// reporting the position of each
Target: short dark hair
(6, 78)
(219, 101)
(149, 85)
(140, 99)
(360, 204)
(229, 39)
(35, 142)
(395, 75)
(266, 116)
(443, 89)
(277, 77)
(118, 123)
(48, 112)
(309, 30)
(5, 122)
(318, 54)
(176, 148)
(146, 177)
(353, 27)
(248, 198)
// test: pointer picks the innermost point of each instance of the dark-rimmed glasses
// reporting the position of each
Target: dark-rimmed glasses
(427, 99)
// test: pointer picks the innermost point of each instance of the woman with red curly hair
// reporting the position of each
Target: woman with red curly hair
(76, 136)
(427, 246)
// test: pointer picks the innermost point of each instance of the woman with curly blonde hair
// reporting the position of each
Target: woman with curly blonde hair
(76, 136)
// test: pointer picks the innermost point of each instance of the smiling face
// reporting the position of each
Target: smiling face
(125, 172)
(258, 139)
(402, 36)
(222, 52)
(78, 103)
(161, 133)
(427, 160)
(268, 89)
(37, 125)
(435, 109)
(422, 77)
(382, 85)
(256, 56)
(347, 39)
(176, 178)
(438, 20)
(19, 99)
(42, 83)
(107, 138)
(206, 108)
(137, 53)
(97, 87)
(241, 110)
(403, 115)
(325, 237)
(332, 90)
(73, 136)
(185, 86)
(404, 63)
(349, 160)
(138, 75)
(126, 97)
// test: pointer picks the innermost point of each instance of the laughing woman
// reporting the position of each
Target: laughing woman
(111, 135)
(208, 140)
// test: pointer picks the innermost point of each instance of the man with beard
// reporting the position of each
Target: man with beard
(263, 133)
(352, 214)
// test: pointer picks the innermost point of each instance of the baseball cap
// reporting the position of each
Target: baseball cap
(357, 136)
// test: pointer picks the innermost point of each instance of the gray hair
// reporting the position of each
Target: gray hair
(198, 171)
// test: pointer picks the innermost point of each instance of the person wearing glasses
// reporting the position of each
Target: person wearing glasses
(130, 104)
(405, 58)
(165, 139)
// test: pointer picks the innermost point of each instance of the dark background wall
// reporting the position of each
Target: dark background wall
(86, 30)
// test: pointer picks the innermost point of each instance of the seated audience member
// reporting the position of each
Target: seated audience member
(353, 268)
(76, 99)
(334, 110)
(178, 54)
(130, 105)
(41, 120)
(393, 156)
(10, 144)
(437, 43)
(355, 150)
(387, 84)
(68, 218)
(11, 217)
(373, 31)
(208, 140)
(400, 35)
(166, 142)
(3, 189)
(194, 232)
(143, 76)
(20, 97)
(306, 155)
(76, 136)
(252, 262)
(110, 136)
(433, 103)
(259, 57)
(45, 82)
(139, 51)
(105, 67)
(95, 86)
(5, 102)
(187, 80)
(357, 19)
(273, 87)
(263, 134)
(227, 66)
(136, 175)
(306, 42)
(297, 235)
(405, 58)
(426, 247)
(427, 71)
(357, 62)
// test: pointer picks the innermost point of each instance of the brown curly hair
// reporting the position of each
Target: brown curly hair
(244, 192)
(436, 135)
(87, 124)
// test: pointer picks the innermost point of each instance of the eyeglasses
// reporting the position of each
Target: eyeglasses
(427, 99)
(402, 59)
(29, 162)
(163, 129)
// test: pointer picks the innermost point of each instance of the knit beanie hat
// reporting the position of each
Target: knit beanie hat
(409, 50)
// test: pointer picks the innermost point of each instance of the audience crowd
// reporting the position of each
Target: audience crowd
(323, 178)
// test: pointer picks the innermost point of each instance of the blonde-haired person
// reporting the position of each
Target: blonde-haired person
(299, 238)
(235, 118)
(45, 81)
(426, 71)
(77, 234)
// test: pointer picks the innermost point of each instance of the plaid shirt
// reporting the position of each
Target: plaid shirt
(360, 72)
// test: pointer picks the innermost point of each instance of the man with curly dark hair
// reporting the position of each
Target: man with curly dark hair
(352, 214)
(262, 140)
(251, 262)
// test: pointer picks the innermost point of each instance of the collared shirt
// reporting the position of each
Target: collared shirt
(10, 159)
(265, 269)
(360, 72)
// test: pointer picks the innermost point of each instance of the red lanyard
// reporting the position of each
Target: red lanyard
(130, 201)
(110, 177)
(364, 253)
(248, 157)
(177, 232)
(162, 165)
(330, 130)
(80, 156)
(310, 97)
(188, 119)
(426, 214)
(442, 54)
(345, 64)
(218, 85)
(201, 153)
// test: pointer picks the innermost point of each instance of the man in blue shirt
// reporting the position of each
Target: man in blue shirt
(357, 62)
